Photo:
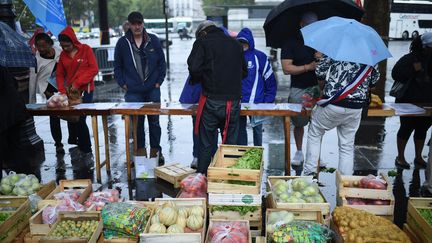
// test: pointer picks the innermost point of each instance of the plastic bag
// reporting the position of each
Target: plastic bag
(373, 182)
(301, 231)
(125, 218)
(227, 232)
(27, 185)
(298, 190)
(194, 183)
(50, 213)
(99, 199)
(70, 194)
(58, 100)
(34, 200)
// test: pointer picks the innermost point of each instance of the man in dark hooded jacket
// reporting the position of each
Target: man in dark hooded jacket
(140, 68)
(217, 62)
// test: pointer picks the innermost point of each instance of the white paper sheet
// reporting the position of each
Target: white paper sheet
(289, 106)
(94, 106)
(177, 106)
(261, 106)
(110, 54)
(130, 105)
(407, 109)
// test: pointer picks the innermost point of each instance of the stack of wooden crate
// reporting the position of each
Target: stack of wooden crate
(420, 229)
(235, 187)
(344, 192)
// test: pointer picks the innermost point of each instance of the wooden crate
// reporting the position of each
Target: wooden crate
(259, 239)
(218, 172)
(256, 227)
(173, 173)
(43, 192)
(146, 237)
(18, 221)
(212, 221)
(76, 216)
(305, 215)
(235, 200)
(323, 207)
(416, 222)
(364, 193)
(380, 210)
(410, 233)
(83, 185)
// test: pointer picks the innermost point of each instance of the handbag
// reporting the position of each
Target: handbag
(74, 98)
(398, 89)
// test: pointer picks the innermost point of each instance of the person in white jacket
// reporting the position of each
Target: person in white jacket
(43, 81)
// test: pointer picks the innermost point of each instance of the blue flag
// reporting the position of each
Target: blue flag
(49, 13)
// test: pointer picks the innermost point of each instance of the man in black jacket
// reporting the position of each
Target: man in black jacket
(217, 62)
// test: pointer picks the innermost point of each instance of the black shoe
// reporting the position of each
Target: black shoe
(161, 160)
(420, 163)
(403, 165)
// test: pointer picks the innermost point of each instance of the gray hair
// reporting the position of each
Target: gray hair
(203, 25)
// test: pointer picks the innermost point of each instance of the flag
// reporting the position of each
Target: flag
(49, 14)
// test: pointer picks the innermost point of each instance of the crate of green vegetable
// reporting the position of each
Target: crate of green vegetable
(236, 170)
(14, 217)
(419, 217)
(235, 206)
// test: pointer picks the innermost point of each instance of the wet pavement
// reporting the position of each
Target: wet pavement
(375, 142)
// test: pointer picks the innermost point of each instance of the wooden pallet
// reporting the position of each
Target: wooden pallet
(380, 210)
(219, 174)
(18, 221)
(147, 237)
(174, 173)
(365, 193)
(416, 222)
(83, 185)
(410, 233)
(76, 216)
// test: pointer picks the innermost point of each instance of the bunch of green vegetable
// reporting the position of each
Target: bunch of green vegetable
(251, 159)
(4, 216)
(426, 214)
(302, 232)
(243, 210)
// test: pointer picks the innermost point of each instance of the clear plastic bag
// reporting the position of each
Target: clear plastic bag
(125, 218)
(301, 231)
(99, 199)
(50, 213)
(71, 194)
(58, 100)
(227, 232)
(195, 182)
(373, 182)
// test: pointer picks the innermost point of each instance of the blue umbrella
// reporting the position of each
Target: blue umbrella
(346, 40)
(14, 50)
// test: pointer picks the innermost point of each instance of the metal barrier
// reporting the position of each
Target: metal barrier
(105, 60)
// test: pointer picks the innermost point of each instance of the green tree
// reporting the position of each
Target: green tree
(213, 7)
(151, 9)
(24, 15)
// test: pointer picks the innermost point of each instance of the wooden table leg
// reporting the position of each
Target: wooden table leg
(287, 132)
(107, 148)
(135, 134)
(128, 159)
(96, 142)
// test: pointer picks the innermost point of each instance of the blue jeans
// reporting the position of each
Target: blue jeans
(242, 135)
(81, 129)
(153, 121)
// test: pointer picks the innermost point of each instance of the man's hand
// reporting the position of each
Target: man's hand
(124, 87)
(157, 85)
(417, 66)
(311, 66)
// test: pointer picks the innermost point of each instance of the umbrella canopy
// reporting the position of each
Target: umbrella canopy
(14, 50)
(346, 40)
(283, 21)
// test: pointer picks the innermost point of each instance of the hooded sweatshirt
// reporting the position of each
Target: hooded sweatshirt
(139, 68)
(78, 71)
(260, 84)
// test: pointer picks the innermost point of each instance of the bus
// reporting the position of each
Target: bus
(409, 19)
(158, 25)
(186, 22)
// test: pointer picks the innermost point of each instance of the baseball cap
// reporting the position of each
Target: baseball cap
(426, 39)
(135, 17)
(203, 25)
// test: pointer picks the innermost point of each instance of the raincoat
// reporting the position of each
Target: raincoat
(79, 70)
(260, 84)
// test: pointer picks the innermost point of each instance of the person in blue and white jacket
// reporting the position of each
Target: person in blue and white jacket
(258, 87)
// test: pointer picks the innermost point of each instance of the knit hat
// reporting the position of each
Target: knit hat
(426, 39)
(203, 25)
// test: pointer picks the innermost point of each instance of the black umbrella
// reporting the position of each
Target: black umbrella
(283, 21)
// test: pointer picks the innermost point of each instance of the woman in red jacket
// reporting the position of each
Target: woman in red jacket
(76, 70)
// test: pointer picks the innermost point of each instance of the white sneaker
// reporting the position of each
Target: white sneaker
(298, 158)
(194, 163)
